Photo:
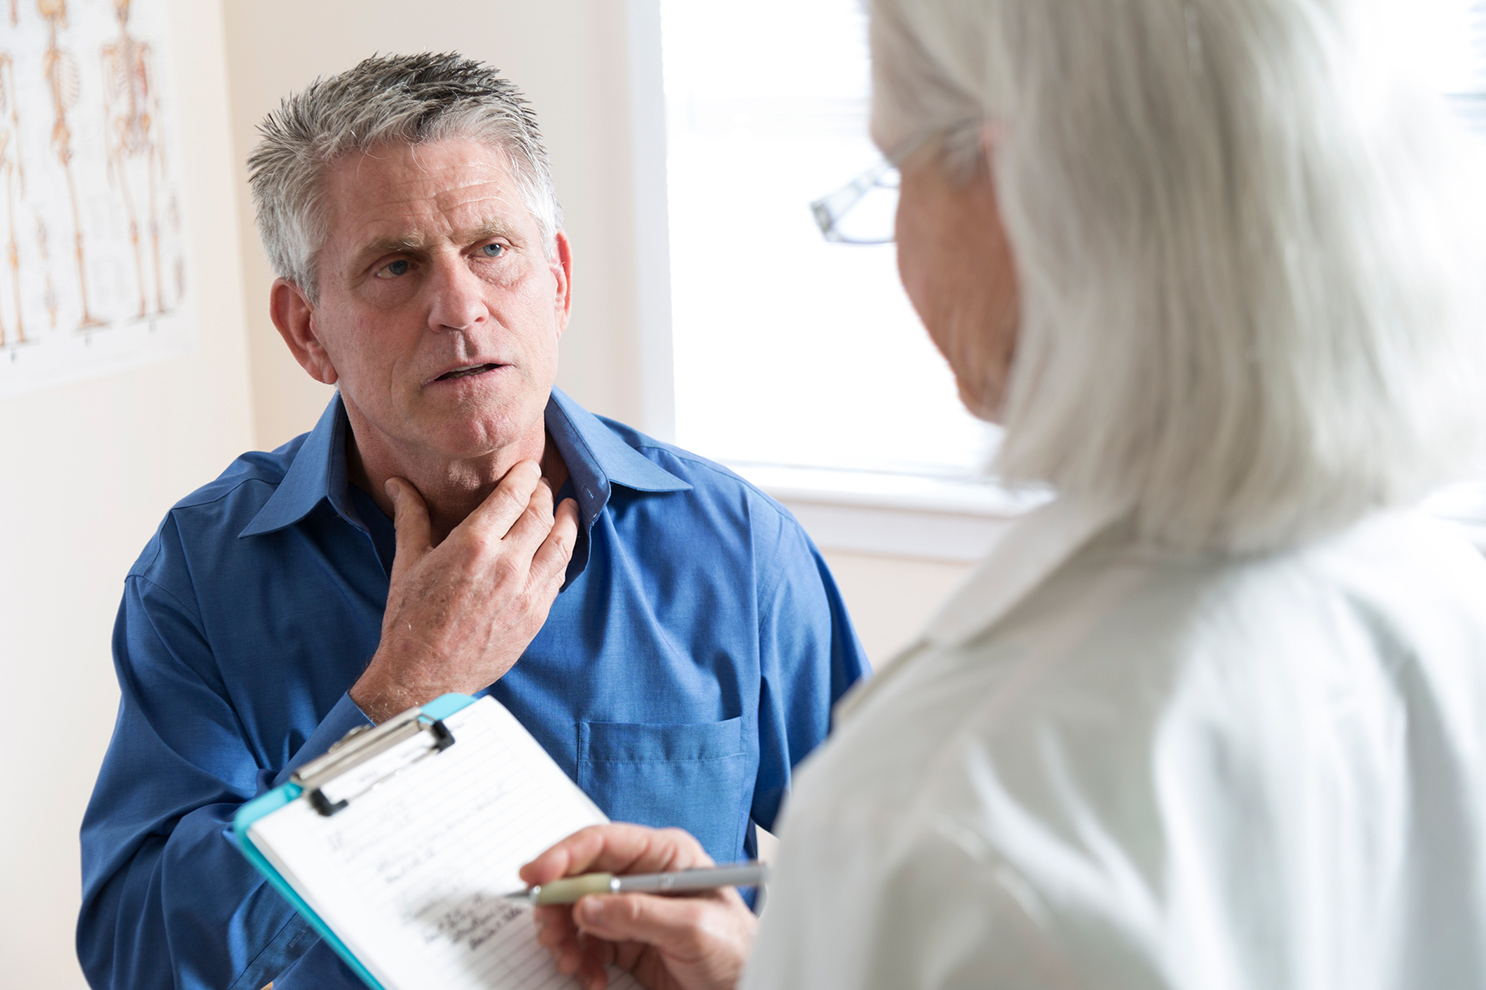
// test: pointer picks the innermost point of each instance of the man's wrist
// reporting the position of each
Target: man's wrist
(380, 699)
(388, 687)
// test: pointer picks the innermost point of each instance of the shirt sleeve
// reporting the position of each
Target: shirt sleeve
(809, 657)
(168, 901)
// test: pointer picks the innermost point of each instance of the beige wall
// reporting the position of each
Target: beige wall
(89, 470)
(890, 598)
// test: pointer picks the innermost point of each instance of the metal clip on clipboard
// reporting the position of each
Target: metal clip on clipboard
(359, 748)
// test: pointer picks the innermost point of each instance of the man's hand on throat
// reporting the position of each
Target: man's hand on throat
(460, 614)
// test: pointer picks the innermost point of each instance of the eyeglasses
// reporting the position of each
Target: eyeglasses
(864, 210)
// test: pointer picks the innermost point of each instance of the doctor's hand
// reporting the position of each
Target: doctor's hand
(460, 614)
(669, 943)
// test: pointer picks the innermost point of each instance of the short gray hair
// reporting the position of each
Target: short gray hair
(1249, 250)
(386, 98)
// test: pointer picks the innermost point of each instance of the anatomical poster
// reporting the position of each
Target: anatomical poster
(93, 260)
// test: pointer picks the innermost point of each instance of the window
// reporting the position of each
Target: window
(789, 350)
(800, 363)
(1448, 42)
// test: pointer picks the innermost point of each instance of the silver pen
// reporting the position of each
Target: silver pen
(569, 889)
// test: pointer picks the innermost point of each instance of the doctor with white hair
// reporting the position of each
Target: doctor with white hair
(1216, 717)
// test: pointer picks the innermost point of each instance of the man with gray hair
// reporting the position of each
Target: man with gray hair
(666, 632)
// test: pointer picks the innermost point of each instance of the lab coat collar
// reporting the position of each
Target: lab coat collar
(1026, 554)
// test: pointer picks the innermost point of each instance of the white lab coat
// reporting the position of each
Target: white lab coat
(1114, 765)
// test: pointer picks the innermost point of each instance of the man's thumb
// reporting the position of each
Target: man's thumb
(409, 515)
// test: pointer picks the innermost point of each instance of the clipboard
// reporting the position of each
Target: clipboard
(316, 819)
(356, 748)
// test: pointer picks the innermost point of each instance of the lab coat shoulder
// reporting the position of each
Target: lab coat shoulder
(1149, 747)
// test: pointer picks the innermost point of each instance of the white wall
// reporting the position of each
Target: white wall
(88, 471)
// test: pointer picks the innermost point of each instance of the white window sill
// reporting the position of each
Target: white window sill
(894, 514)
(958, 520)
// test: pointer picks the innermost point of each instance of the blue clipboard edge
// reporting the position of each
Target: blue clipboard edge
(267, 803)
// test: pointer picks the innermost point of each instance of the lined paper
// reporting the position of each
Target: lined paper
(409, 874)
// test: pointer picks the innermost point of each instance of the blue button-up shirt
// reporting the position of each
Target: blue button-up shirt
(689, 662)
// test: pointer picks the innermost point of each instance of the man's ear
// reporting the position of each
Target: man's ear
(294, 316)
(562, 271)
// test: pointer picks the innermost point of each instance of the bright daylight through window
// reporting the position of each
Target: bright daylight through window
(788, 349)
(793, 351)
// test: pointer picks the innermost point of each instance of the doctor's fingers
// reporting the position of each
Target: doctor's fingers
(700, 943)
(577, 955)
(617, 847)
(557, 933)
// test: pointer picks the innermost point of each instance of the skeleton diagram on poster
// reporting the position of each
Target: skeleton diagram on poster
(93, 272)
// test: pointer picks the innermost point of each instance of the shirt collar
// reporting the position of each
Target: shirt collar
(596, 457)
(317, 473)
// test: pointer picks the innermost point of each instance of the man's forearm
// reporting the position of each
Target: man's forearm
(168, 902)
(186, 911)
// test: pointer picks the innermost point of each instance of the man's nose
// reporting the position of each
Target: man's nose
(457, 299)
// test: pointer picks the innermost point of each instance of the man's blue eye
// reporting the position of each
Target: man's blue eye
(494, 250)
(394, 268)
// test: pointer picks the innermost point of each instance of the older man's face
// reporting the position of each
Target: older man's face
(439, 309)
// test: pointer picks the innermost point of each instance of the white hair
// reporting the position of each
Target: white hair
(1248, 247)
(386, 98)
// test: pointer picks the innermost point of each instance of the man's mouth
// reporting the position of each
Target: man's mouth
(474, 369)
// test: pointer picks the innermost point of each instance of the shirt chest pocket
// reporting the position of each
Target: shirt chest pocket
(690, 776)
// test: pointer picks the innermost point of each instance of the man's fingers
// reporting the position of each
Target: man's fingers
(550, 563)
(409, 521)
(528, 532)
(501, 509)
(617, 848)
